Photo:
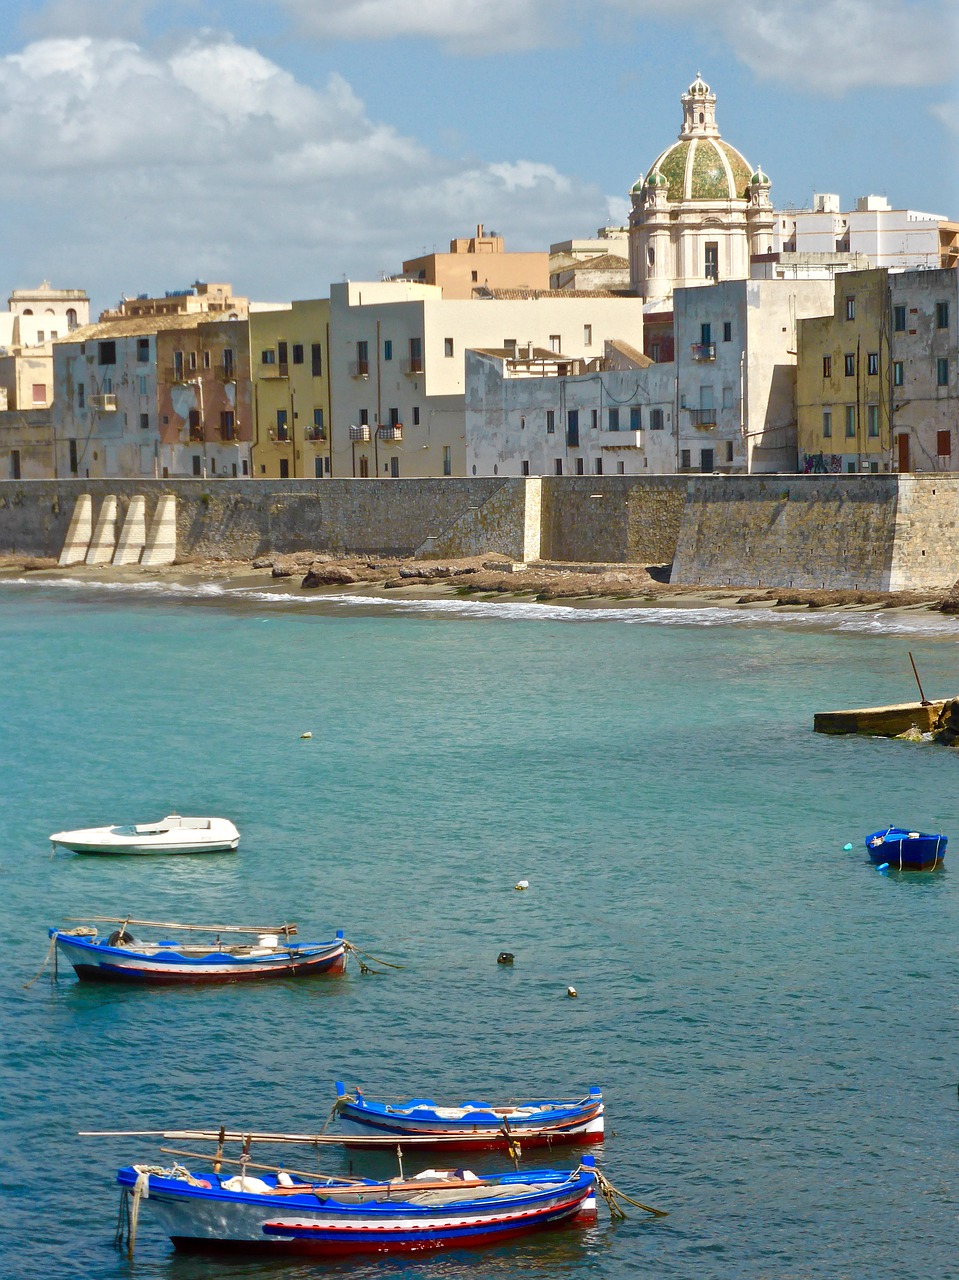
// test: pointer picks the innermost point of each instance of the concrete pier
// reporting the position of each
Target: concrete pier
(133, 535)
(882, 722)
(80, 532)
(105, 534)
(161, 539)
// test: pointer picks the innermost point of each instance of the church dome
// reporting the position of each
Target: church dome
(703, 169)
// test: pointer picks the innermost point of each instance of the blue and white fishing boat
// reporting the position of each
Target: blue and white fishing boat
(225, 957)
(476, 1124)
(904, 850)
(280, 1214)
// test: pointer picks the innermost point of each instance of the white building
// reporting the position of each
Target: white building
(899, 239)
(535, 415)
(398, 359)
(701, 211)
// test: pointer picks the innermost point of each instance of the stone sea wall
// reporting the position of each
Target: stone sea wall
(871, 532)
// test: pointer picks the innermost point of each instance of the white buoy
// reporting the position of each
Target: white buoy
(571, 992)
(847, 848)
(521, 884)
(306, 735)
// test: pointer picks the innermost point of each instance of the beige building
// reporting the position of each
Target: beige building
(289, 362)
(200, 298)
(477, 263)
(397, 364)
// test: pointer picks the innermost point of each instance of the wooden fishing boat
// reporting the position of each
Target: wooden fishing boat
(231, 953)
(172, 834)
(476, 1124)
(904, 850)
(277, 1213)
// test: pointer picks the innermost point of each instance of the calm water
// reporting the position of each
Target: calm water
(773, 1023)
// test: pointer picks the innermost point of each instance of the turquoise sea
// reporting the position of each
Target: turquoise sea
(773, 1023)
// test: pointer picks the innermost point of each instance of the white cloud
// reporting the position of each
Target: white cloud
(830, 45)
(947, 113)
(147, 171)
(462, 26)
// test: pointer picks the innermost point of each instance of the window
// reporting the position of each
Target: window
(593, 419)
(448, 348)
(580, 469)
(74, 458)
(316, 359)
(14, 464)
(872, 420)
(71, 318)
(447, 460)
(943, 444)
(525, 468)
(39, 393)
(40, 335)
(53, 335)
(827, 424)
(318, 422)
(362, 359)
(942, 315)
(144, 422)
(282, 353)
(81, 396)
(416, 415)
(227, 425)
(572, 428)
(559, 466)
(416, 355)
(107, 386)
(684, 456)
(474, 277)
(556, 342)
(394, 417)
(850, 421)
(872, 363)
(897, 379)
(364, 417)
(727, 331)
(827, 366)
(635, 418)
(143, 350)
(727, 397)
(107, 352)
(388, 349)
(729, 450)
(282, 425)
(297, 352)
(228, 362)
(942, 372)
(655, 419)
(598, 466)
(587, 335)
(206, 360)
(850, 307)
(268, 356)
(613, 417)
(899, 319)
(705, 335)
(192, 360)
(849, 361)
(712, 260)
(620, 468)
(550, 421)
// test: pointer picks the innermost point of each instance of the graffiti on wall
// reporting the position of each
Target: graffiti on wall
(824, 464)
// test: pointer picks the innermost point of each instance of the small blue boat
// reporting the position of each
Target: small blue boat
(904, 850)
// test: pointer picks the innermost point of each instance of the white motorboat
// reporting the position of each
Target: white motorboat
(173, 834)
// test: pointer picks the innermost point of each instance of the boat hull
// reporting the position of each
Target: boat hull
(99, 962)
(906, 850)
(173, 834)
(204, 1219)
(478, 1127)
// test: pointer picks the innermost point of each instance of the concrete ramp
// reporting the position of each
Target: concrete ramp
(133, 535)
(78, 537)
(105, 534)
(161, 540)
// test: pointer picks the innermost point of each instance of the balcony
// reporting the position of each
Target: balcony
(703, 350)
(316, 434)
(104, 403)
(412, 366)
(196, 435)
(392, 431)
(621, 439)
(704, 419)
(359, 368)
(226, 372)
(227, 434)
(360, 434)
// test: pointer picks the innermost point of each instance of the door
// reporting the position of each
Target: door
(284, 468)
(572, 428)
(706, 460)
(902, 442)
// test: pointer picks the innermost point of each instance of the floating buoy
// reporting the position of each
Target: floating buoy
(571, 992)
(505, 957)
(884, 866)
(306, 735)
(521, 884)
(847, 848)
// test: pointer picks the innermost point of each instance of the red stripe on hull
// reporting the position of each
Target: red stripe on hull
(479, 1141)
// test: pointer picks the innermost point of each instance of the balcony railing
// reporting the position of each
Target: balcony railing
(359, 368)
(104, 403)
(228, 433)
(703, 350)
(359, 434)
(226, 372)
(392, 431)
(196, 435)
(413, 366)
(704, 418)
(621, 439)
(316, 433)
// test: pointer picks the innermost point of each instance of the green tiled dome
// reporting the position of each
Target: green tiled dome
(703, 169)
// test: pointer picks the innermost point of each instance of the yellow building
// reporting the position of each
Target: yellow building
(289, 364)
(843, 379)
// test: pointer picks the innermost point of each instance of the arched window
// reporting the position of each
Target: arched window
(71, 318)
(28, 311)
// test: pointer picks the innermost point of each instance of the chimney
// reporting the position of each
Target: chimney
(479, 231)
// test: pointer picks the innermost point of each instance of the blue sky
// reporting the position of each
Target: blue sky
(283, 144)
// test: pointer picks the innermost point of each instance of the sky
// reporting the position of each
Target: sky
(283, 145)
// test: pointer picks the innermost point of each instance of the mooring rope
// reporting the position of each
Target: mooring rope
(46, 960)
(613, 1195)
(353, 950)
